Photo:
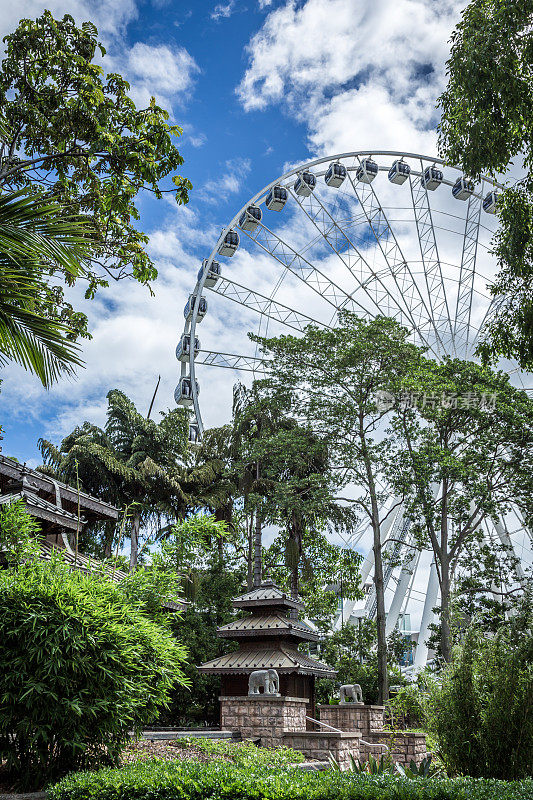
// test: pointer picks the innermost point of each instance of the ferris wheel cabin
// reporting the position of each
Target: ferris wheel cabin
(366, 171)
(335, 174)
(399, 172)
(212, 276)
(230, 244)
(183, 392)
(183, 348)
(489, 202)
(462, 188)
(250, 218)
(305, 184)
(202, 307)
(431, 178)
(276, 198)
(194, 433)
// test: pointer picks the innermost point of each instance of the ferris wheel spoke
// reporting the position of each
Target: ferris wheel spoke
(211, 358)
(265, 306)
(408, 290)
(436, 289)
(292, 260)
(467, 271)
(349, 255)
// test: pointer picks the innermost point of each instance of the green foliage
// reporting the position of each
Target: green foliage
(79, 669)
(482, 716)
(332, 378)
(321, 565)
(18, 531)
(460, 463)
(243, 754)
(158, 780)
(77, 133)
(37, 237)
(486, 123)
(406, 706)
(134, 463)
(73, 140)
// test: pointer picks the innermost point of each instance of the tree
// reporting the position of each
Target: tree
(72, 133)
(482, 713)
(336, 375)
(486, 123)
(37, 237)
(464, 455)
(80, 669)
(133, 462)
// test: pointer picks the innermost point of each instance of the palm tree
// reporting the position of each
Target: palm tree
(37, 239)
(133, 462)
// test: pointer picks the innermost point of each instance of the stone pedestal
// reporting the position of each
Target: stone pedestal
(353, 717)
(404, 746)
(263, 716)
(318, 745)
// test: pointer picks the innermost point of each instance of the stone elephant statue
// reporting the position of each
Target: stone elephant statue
(267, 679)
(351, 692)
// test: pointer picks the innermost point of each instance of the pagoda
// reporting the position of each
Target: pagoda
(268, 638)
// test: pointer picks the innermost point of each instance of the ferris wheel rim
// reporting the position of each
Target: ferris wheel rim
(259, 197)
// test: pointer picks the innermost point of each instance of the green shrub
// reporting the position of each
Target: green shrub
(243, 753)
(189, 780)
(79, 668)
(482, 715)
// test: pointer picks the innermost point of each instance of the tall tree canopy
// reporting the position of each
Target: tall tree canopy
(73, 133)
(487, 110)
(465, 454)
(133, 462)
(337, 375)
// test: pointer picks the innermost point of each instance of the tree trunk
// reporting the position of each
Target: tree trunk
(257, 550)
(445, 633)
(383, 678)
(134, 550)
(257, 537)
(250, 554)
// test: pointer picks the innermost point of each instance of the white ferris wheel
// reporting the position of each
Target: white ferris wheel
(377, 233)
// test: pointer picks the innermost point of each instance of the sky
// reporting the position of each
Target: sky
(256, 86)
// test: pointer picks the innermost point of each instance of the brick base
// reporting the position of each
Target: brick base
(318, 745)
(353, 717)
(263, 717)
(404, 746)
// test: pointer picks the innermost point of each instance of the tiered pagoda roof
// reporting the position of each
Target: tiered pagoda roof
(268, 637)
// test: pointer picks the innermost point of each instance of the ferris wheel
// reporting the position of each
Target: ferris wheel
(377, 233)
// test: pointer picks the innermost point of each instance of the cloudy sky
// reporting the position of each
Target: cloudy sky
(256, 86)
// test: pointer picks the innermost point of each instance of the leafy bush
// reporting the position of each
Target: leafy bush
(79, 668)
(189, 780)
(243, 753)
(482, 715)
(406, 706)
(17, 533)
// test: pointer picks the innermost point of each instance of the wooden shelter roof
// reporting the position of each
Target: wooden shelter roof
(261, 625)
(267, 594)
(280, 657)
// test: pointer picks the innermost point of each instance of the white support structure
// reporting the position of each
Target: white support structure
(406, 573)
(432, 593)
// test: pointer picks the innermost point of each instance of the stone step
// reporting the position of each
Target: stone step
(166, 734)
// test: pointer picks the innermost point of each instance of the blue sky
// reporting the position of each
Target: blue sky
(257, 86)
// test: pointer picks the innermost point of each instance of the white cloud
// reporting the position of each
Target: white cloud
(217, 189)
(109, 16)
(223, 10)
(353, 72)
